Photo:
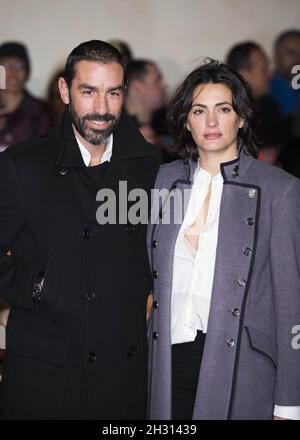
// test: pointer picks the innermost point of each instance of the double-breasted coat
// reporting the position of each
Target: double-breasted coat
(81, 350)
(251, 358)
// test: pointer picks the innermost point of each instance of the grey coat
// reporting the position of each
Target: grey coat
(249, 361)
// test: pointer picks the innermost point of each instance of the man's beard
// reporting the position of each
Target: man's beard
(92, 135)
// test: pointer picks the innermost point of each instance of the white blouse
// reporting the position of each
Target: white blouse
(193, 269)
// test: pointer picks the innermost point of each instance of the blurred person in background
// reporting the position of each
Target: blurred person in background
(146, 95)
(250, 60)
(124, 49)
(55, 104)
(21, 115)
(286, 56)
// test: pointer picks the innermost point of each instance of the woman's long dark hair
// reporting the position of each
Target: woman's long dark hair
(211, 72)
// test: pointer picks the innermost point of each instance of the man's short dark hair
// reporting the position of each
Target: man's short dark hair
(94, 50)
(137, 69)
(239, 57)
(291, 33)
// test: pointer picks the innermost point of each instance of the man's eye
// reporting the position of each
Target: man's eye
(88, 92)
(115, 94)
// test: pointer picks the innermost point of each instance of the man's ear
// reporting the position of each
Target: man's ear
(63, 90)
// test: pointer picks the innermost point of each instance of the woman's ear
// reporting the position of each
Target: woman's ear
(241, 124)
(187, 126)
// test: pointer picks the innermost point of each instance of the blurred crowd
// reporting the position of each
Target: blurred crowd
(276, 94)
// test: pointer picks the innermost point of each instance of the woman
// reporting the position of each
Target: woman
(226, 302)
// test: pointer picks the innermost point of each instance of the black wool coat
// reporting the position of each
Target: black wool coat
(79, 352)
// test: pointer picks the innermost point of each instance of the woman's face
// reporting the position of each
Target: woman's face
(212, 121)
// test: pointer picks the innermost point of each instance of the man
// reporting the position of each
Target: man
(146, 91)
(21, 115)
(250, 60)
(76, 343)
(145, 103)
(286, 56)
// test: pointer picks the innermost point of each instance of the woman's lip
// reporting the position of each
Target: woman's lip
(212, 135)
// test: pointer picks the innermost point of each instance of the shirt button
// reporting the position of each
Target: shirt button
(230, 343)
(155, 335)
(241, 282)
(247, 251)
(155, 304)
(92, 357)
(91, 296)
(250, 221)
(155, 274)
(154, 244)
(235, 312)
(87, 234)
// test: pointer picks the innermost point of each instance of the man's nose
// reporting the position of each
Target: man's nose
(100, 105)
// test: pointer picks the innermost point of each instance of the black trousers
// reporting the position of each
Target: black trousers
(186, 362)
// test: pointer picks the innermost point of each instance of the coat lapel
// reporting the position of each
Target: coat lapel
(128, 145)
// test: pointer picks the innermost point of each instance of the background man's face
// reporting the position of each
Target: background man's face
(95, 99)
(259, 75)
(287, 56)
(16, 74)
(153, 88)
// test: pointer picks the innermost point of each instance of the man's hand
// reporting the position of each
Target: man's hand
(4, 313)
(149, 305)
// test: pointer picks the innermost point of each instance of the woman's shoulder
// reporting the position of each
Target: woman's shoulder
(172, 171)
(273, 177)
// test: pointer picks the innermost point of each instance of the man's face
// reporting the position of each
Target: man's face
(152, 88)
(16, 74)
(259, 75)
(95, 99)
(287, 56)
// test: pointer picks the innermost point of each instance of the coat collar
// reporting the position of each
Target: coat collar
(128, 142)
(232, 171)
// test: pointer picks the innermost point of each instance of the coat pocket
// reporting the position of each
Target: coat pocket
(52, 281)
(31, 336)
(262, 343)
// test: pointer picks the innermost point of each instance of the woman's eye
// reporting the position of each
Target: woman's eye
(198, 112)
(225, 109)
